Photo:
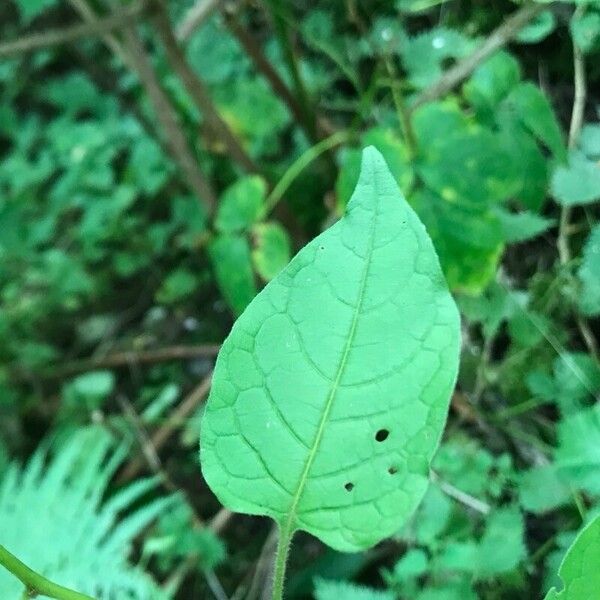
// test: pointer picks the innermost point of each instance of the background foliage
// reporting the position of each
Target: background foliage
(157, 169)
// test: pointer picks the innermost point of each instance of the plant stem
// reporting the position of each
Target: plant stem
(34, 583)
(300, 164)
(281, 555)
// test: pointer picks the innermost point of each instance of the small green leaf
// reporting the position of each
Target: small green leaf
(330, 394)
(493, 80)
(272, 249)
(589, 141)
(585, 30)
(178, 285)
(425, 54)
(580, 569)
(537, 115)
(541, 489)
(518, 227)
(502, 547)
(589, 275)
(230, 256)
(30, 9)
(578, 182)
(578, 453)
(538, 29)
(241, 205)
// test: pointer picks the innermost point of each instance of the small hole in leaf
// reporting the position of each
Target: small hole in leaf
(393, 470)
(382, 435)
(349, 487)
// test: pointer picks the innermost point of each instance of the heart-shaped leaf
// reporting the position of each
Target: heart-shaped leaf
(331, 392)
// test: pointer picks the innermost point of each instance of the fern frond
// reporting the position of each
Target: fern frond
(52, 516)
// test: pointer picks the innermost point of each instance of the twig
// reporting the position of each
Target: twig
(99, 27)
(283, 34)
(36, 584)
(135, 57)
(197, 89)
(220, 520)
(162, 435)
(126, 358)
(145, 443)
(278, 85)
(496, 40)
(577, 116)
(194, 17)
(168, 117)
(462, 497)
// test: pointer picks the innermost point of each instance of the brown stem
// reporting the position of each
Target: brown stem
(169, 120)
(176, 419)
(278, 85)
(494, 41)
(197, 89)
(99, 27)
(126, 359)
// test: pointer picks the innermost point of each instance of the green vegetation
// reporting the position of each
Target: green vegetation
(161, 163)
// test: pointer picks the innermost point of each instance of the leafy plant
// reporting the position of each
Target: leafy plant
(77, 538)
(330, 429)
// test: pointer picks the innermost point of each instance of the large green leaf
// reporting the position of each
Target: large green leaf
(580, 569)
(331, 392)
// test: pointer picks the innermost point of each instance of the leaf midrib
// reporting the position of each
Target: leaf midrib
(289, 527)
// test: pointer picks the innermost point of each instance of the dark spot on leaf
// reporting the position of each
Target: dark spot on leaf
(349, 487)
(322, 247)
(382, 435)
(393, 470)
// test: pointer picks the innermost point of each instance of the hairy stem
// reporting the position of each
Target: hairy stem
(35, 584)
(281, 556)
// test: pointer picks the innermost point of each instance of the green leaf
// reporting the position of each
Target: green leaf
(541, 489)
(241, 205)
(589, 275)
(578, 182)
(589, 141)
(272, 249)
(578, 452)
(518, 227)
(424, 55)
(492, 81)
(231, 260)
(502, 548)
(396, 156)
(580, 570)
(537, 115)
(30, 9)
(585, 30)
(468, 240)
(331, 392)
(178, 285)
(538, 29)
(336, 590)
